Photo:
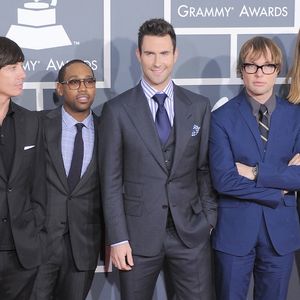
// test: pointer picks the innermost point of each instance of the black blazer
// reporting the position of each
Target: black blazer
(81, 208)
(25, 188)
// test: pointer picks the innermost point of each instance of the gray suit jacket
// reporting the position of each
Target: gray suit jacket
(81, 208)
(137, 188)
(25, 188)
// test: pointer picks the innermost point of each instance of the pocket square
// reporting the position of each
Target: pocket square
(28, 147)
(195, 130)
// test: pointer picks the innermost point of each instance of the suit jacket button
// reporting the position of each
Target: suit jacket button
(165, 206)
(4, 220)
(10, 189)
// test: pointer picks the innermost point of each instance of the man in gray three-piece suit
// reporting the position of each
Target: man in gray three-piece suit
(74, 210)
(158, 202)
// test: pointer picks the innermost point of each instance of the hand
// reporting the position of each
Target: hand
(121, 256)
(245, 171)
(295, 161)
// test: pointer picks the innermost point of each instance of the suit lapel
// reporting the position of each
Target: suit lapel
(183, 125)
(139, 112)
(20, 137)
(53, 128)
(3, 174)
(245, 109)
(277, 126)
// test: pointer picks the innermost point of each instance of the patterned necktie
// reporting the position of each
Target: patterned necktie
(162, 121)
(263, 123)
(77, 158)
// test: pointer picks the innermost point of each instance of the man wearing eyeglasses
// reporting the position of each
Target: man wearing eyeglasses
(254, 146)
(74, 214)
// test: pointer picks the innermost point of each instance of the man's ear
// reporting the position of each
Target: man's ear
(176, 54)
(59, 89)
(138, 54)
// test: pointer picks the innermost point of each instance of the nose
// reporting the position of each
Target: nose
(82, 85)
(259, 72)
(21, 72)
(157, 62)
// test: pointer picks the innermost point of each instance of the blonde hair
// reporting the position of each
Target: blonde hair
(294, 75)
(256, 47)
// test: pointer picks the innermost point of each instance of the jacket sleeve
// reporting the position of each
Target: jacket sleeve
(111, 174)
(207, 193)
(225, 176)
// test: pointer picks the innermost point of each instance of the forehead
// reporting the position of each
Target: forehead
(77, 70)
(259, 55)
(156, 42)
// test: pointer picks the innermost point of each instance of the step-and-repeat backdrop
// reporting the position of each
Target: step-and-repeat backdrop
(104, 34)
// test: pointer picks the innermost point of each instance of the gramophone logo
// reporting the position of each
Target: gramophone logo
(37, 27)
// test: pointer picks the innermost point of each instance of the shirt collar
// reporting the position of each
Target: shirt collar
(270, 104)
(70, 121)
(150, 91)
(11, 109)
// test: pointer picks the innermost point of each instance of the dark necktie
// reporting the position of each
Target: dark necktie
(263, 123)
(77, 158)
(162, 121)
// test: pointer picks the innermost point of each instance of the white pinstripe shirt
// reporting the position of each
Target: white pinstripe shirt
(149, 92)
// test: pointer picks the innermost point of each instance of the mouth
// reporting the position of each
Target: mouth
(20, 85)
(157, 71)
(258, 83)
(82, 98)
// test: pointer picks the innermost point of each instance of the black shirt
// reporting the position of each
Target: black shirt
(7, 153)
(7, 140)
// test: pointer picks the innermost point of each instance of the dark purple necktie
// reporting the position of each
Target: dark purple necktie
(77, 158)
(162, 121)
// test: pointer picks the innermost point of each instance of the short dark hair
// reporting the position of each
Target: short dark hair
(156, 27)
(62, 71)
(10, 52)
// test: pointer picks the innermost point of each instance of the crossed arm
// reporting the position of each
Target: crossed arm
(248, 171)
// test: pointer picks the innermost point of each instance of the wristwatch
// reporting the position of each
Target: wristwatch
(255, 171)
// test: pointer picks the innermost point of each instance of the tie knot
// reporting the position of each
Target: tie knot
(79, 126)
(160, 98)
(263, 109)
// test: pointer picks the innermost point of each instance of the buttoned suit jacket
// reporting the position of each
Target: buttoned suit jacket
(137, 188)
(234, 138)
(81, 208)
(24, 189)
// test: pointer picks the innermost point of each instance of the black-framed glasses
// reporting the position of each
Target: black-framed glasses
(74, 84)
(267, 69)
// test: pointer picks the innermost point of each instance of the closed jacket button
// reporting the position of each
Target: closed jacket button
(165, 206)
(4, 220)
(10, 189)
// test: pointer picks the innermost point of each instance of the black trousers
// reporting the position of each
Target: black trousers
(59, 279)
(16, 283)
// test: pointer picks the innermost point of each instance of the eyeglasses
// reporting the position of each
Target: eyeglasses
(74, 84)
(267, 69)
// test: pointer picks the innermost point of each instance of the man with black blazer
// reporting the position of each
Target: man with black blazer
(22, 181)
(158, 201)
(74, 209)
